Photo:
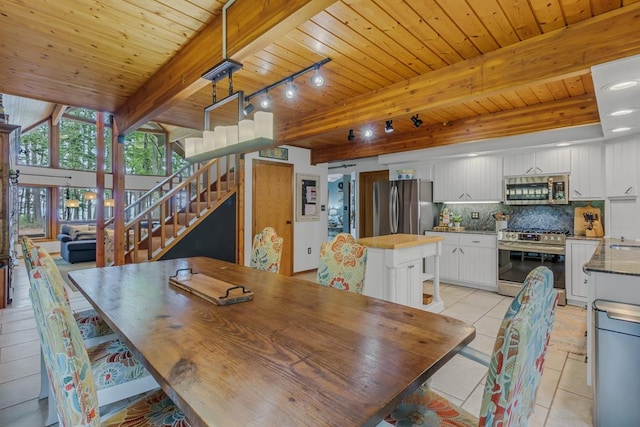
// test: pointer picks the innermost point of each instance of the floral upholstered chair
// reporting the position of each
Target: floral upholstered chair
(342, 263)
(266, 251)
(515, 368)
(72, 373)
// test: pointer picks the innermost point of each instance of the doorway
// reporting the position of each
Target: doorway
(273, 205)
(365, 207)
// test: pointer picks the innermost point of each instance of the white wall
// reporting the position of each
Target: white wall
(305, 234)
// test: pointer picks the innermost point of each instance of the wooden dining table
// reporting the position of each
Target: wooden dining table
(296, 354)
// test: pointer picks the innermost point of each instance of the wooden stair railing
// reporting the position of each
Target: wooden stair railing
(165, 214)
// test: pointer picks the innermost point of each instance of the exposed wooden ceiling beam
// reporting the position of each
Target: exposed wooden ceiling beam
(250, 27)
(551, 115)
(563, 53)
(57, 113)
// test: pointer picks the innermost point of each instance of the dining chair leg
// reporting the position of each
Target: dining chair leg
(44, 379)
(52, 414)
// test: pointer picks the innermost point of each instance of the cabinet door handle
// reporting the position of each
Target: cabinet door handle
(628, 190)
(577, 192)
(411, 266)
(538, 169)
(454, 251)
(585, 281)
(461, 251)
(529, 170)
(475, 241)
(461, 196)
(468, 195)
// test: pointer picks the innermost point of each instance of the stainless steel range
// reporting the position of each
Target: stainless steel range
(520, 251)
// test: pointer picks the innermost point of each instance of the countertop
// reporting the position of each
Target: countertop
(617, 261)
(467, 231)
(398, 241)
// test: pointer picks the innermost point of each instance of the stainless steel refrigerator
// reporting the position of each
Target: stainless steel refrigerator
(404, 206)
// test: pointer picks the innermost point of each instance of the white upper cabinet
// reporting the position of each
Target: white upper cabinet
(587, 172)
(544, 162)
(472, 179)
(621, 170)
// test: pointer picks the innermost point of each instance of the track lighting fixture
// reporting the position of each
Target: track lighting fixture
(416, 121)
(317, 79)
(248, 109)
(351, 135)
(368, 133)
(388, 126)
(291, 90)
(265, 102)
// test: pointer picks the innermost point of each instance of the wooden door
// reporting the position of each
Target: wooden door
(273, 205)
(365, 207)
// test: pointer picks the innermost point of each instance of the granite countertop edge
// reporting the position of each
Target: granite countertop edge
(615, 261)
(485, 232)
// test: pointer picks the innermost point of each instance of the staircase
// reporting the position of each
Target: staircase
(158, 220)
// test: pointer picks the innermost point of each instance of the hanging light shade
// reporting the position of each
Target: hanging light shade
(90, 195)
(109, 203)
(72, 203)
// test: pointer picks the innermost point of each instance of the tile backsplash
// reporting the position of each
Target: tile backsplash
(544, 217)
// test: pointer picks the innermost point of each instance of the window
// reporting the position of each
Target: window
(86, 210)
(144, 153)
(33, 207)
(77, 144)
(34, 146)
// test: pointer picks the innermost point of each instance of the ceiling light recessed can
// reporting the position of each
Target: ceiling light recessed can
(622, 112)
(621, 85)
(621, 129)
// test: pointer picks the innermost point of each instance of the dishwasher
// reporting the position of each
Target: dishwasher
(617, 358)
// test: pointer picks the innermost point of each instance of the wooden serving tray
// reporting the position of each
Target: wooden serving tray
(210, 289)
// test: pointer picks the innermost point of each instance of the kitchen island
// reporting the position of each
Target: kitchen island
(394, 269)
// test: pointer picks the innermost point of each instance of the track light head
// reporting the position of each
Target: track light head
(368, 133)
(248, 109)
(291, 90)
(388, 126)
(317, 79)
(351, 135)
(265, 102)
(416, 121)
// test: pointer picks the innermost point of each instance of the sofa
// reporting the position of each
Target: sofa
(78, 243)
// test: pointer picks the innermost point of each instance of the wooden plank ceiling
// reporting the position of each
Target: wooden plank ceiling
(471, 69)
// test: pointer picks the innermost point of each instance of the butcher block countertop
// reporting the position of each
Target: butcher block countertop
(398, 241)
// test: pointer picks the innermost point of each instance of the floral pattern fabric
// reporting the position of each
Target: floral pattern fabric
(266, 251)
(515, 369)
(342, 263)
(72, 375)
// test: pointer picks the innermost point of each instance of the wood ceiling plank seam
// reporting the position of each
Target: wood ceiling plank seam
(185, 13)
(477, 107)
(558, 89)
(514, 99)
(365, 76)
(576, 87)
(104, 25)
(468, 23)
(349, 49)
(575, 10)
(392, 26)
(462, 110)
(170, 17)
(54, 29)
(422, 31)
(489, 105)
(522, 19)
(501, 102)
(543, 93)
(613, 32)
(495, 20)
(576, 111)
(342, 75)
(603, 6)
(432, 14)
(529, 96)
(394, 70)
(371, 31)
(548, 13)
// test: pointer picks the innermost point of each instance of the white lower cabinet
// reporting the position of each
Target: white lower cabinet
(577, 254)
(469, 259)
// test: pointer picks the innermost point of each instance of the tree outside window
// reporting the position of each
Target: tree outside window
(34, 146)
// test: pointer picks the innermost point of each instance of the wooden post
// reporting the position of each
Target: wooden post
(117, 167)
(100, 158)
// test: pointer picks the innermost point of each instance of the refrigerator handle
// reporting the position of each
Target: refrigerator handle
(393, 217)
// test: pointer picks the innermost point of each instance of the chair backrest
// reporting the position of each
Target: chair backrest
(342, 263)
(266, 251)
(37, 256)
(518, 356)
(64, 354)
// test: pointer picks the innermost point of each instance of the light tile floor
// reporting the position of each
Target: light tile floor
(563, 398)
